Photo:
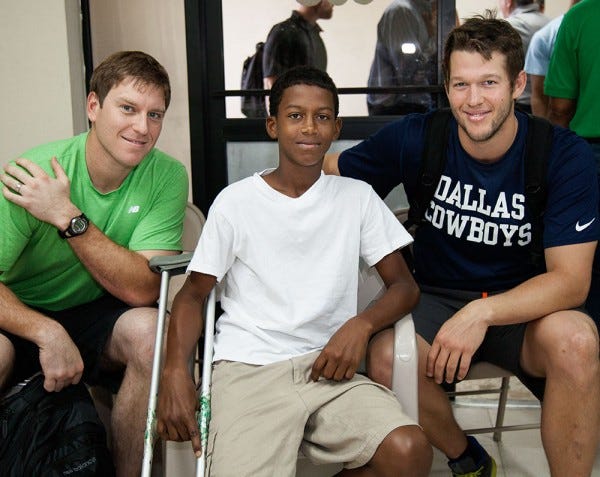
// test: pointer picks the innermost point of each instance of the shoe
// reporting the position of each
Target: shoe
(486, 469)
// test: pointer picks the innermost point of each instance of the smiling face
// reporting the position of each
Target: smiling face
(305, 126)
(126, 126)
(482, 97)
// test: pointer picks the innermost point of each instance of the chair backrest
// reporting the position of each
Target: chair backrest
(192, 227)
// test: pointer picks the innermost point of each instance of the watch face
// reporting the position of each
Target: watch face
(79, 225)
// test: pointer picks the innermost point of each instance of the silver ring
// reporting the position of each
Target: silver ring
(18, 188)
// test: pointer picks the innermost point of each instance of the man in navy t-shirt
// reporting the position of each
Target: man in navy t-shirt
(482, 299)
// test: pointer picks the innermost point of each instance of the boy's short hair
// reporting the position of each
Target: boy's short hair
(486, 34)
(302, 75)
(140, 66)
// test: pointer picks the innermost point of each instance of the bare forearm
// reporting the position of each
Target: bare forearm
(122, 272)
(537, 297)
(398, 300)
(20, 320)
(561, 111)
(185, 327)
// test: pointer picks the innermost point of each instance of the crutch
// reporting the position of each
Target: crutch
(204, 413)
(167, 266)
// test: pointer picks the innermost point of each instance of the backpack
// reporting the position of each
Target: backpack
(52, 434)
(253, 106)
(537, 150)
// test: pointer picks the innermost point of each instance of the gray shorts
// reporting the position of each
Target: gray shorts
(501, 345)
(263, 415)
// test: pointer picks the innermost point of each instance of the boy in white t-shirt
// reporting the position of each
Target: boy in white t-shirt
(289, 342)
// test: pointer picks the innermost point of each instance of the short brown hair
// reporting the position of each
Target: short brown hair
(485, 34)
(140, 66)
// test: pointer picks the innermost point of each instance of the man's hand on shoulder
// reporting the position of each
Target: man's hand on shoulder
(46, 198)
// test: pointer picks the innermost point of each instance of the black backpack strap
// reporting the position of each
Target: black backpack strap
(537, 151)
(432, 165)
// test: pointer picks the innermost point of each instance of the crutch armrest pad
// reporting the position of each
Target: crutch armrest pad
(176, 264)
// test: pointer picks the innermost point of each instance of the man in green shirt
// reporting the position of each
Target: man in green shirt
(80, 219)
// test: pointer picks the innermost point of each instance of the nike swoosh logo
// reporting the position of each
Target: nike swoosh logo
(579, 228)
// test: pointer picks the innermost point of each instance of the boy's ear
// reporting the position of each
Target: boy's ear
(271, 126)
(338, 128)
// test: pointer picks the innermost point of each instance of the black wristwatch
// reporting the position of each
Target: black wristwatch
(77, 227)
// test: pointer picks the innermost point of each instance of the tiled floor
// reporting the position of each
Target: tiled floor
(519, 454)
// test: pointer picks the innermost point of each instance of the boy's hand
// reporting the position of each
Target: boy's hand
(342, 355)
(177, 405)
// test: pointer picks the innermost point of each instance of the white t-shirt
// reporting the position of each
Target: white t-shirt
(291, 264)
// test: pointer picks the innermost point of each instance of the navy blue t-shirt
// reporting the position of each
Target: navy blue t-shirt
(478, 230)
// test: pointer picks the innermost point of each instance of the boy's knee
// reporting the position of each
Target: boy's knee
(408, 451)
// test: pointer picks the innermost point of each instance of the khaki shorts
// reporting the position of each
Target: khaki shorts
(263, 415)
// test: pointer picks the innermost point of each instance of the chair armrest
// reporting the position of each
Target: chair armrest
(405, 368)
(174, 264)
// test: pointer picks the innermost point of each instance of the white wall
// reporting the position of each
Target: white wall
(42, 78)
(158, 28)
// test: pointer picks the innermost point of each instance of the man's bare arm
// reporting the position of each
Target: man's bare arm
(561, 111)
(59, 357)
(122, 272)
(563, 286)
(539, 101)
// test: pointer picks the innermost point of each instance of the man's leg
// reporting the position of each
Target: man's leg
(131, 344)
(435, 411)
(7, 358)
(564, 348)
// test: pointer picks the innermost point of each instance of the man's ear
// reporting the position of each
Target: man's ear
(271, 126)
(520, 83)
(92, 106)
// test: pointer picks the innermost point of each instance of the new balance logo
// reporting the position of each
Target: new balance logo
(134, 209)
(580, 227)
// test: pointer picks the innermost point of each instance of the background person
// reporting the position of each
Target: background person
(405, 54)
(572, 86)
(537, 61)
(296, 42)
(525, 17)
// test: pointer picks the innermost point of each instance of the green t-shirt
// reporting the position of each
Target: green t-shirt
(574, 71)
(144, 213)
